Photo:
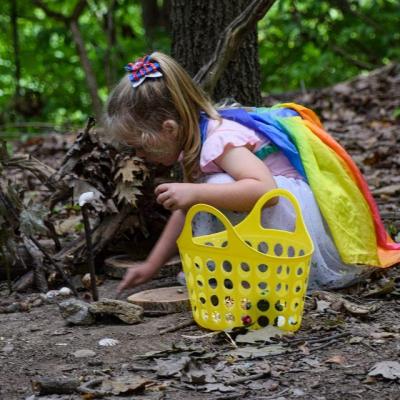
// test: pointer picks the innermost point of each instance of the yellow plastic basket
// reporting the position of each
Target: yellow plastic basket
(246, 274)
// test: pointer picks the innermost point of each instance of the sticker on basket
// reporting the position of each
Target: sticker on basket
(229, 317)
(216, 316)
(246, 319)
(245, 304)
(229, 301)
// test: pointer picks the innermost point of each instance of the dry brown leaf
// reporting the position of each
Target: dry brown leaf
(338, 359)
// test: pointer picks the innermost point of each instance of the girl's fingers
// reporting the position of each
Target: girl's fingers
(161, 188)
(162, 198)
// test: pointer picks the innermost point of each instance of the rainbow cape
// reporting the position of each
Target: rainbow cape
(340, 189)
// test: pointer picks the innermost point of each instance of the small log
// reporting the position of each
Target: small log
(116, 266)
(43, 386)
(168, 299)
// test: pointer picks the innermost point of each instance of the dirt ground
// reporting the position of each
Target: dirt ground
(333, 356)
(328, 358)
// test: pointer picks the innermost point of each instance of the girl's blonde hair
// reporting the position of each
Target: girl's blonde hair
(136, 115)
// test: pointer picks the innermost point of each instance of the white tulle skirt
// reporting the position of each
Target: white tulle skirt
(327, 269)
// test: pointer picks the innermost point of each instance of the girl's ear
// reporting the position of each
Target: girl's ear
(170, 127)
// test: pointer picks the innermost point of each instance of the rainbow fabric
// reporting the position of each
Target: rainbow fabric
(340, 189)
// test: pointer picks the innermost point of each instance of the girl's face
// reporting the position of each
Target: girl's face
(166, 149)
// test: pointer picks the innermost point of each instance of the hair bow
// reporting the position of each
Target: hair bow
(141, 69)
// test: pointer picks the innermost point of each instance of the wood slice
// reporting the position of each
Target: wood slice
(168, 299)
(116, 266)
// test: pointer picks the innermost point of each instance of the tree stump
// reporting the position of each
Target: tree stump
(167, 300)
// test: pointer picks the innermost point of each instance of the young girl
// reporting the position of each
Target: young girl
(159, 111)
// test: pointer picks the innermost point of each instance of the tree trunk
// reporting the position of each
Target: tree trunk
(196, 27)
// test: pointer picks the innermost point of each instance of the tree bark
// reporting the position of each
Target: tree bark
(196, 27)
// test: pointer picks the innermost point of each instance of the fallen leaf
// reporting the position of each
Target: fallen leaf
(259, 335)
(386, 369)
(336, 360)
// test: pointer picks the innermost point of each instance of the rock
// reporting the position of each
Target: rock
(126, 312)
(83, 353)
(76, 312)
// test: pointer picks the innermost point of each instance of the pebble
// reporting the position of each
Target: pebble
(83, 353)
(8, 348)
(108, 342)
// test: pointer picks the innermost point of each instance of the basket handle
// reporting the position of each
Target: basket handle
(255, 214)
(232, 236)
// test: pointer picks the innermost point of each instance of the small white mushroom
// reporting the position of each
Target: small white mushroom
(108, 342)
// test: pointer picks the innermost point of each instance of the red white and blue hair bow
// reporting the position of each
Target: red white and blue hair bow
(141, 69)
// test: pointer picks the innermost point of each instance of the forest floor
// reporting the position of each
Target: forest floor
(348, 346)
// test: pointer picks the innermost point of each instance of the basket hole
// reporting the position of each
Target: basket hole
(279, 306)
(211, 265)
(278, 249)
(263, 285)
(291, 251)
(245, 284)
(286, 287)
(263, 247)
(263, 321)
(197, 265)
(287, 270)
(245, 304)
(279, 270)
(263, 268)
(248, 242)
(224, 243)
(263, 305)
(213, 283)
(202, 300)
(214, 300)
(209, 244)
(229, 317)
(227, 266)
(278, 287)
(245, 267)
(229, 301)
(298, 288)
(300, 271)
(301, 252)
(199, 282)
(295, 305)
(228, 284)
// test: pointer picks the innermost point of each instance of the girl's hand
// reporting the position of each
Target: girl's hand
(174, 196)
(136, 275)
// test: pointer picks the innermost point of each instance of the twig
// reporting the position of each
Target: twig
(243, 379)
(231, 340)
(174, 328)
(90, 255)
(210, 334)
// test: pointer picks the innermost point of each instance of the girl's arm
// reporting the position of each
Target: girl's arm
(252, 179)
(162, 251)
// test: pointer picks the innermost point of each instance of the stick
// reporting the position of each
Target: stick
(243, 379)
(174, 328)
(90, 256)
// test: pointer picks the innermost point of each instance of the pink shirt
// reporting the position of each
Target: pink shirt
(228, 134)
